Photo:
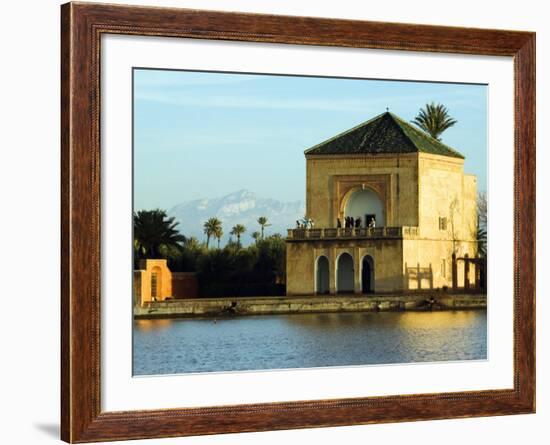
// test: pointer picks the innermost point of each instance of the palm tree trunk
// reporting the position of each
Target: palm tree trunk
(207, 241)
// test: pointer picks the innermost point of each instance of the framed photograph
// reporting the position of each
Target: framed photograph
(274, 222)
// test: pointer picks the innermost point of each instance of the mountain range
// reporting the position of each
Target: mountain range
(240, 207)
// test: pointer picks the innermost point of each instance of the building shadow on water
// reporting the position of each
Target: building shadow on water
(315, 321)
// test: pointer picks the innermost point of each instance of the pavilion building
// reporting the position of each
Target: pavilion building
(414, 212)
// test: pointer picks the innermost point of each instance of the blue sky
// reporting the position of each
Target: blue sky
(204, 135)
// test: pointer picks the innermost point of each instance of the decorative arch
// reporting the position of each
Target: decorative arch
(322, 275)
(156, 283)
(345, 273)
(362, 200)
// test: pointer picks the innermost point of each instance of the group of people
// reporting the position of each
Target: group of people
(351, 222)
(305, 223)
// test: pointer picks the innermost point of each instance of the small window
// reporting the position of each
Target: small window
(443, 268)
(442, 223)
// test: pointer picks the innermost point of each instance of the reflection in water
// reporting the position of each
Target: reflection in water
(153, 325)
(307, 340)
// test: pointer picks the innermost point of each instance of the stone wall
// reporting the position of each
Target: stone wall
(281, 305)
(446, 192)
(169, 285)
(151, 271)
(394, 177)
(302, 256)
(430, 192)
(435, 256)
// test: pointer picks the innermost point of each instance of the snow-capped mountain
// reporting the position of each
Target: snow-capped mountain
(241, 207)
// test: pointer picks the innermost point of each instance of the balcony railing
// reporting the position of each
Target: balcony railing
(353, 233)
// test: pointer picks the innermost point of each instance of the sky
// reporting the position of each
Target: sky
(204, 135)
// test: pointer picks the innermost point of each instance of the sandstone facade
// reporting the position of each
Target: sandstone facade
(422, 202)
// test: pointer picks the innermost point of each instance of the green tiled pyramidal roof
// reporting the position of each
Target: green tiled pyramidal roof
(385, 133)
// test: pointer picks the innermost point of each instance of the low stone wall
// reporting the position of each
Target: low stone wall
(218, 307)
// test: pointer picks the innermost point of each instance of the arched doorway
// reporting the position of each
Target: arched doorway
(344, 274)
(367, 205)
(156, 287)
(322, 278)
(367, 275)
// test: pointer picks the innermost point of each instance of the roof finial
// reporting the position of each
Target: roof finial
(387, 109)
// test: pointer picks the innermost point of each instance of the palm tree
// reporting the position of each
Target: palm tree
(256, 236)
(153, 231)
(434, 120)
(211, 227)
(192, 243)
(218, 234)
(482, 241)
(262, 221)
(238, 230)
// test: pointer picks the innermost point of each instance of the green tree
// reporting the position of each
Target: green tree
(482, 224)
(212, 227)
(154, 232)
(218, 234)
(271, 259)
(192, 243)
(238, 230)
(256, 236)
(186, 259)
(262, 221)
(434, 119)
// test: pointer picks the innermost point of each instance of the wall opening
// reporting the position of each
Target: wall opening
(345, 274)
(367, 205)
(367, 275)
(322, 278)
(154, 285)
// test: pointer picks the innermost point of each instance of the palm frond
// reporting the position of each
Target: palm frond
(434, 119)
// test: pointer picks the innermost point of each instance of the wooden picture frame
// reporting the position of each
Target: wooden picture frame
(82, 26)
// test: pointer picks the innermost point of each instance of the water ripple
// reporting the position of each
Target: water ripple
(307, 341)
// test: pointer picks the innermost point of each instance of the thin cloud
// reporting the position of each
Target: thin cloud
(370, 104)
(257, 102)
(175, 79)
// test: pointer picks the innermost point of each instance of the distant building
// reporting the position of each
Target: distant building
(155, 282)
(413, 193)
